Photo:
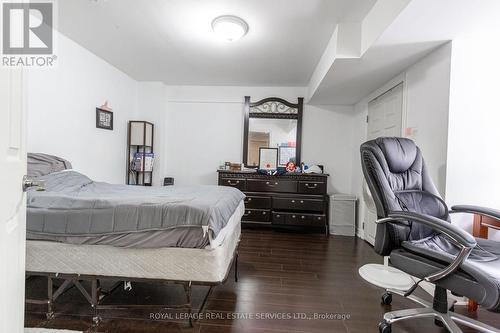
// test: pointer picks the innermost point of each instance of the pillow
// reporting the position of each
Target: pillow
(43, 164)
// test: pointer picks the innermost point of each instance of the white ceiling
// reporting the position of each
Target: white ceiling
(171, 41)
(421, 27)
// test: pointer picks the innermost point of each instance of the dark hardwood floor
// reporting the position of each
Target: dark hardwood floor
(279, 274)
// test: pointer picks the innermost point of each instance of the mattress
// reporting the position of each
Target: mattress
(75, 209)
(189, 237)
(209, 265)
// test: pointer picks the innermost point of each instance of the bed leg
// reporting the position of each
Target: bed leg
(188, 290)
(236, 266)
(95, 302)
(50, 299)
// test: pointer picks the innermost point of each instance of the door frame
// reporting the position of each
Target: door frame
(15, 227)
(400, 79)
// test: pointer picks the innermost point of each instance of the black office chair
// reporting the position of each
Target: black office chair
(414, 230)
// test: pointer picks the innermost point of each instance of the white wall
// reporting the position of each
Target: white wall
(327, 140)
(427, 105)
(474, 151)
(199, 137)
(61, 112)
(150, 106)
(213, 118)
(426, 96)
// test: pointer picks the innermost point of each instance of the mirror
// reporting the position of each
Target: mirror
(272, 133)
(272, 123)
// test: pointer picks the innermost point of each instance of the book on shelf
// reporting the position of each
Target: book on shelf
(143, 162)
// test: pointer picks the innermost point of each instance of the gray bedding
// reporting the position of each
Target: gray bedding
(42, 164)
(75, 209)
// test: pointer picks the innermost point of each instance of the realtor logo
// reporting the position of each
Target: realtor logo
(27, 28)
(28, 34)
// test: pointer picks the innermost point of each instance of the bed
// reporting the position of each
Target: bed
(81, 230)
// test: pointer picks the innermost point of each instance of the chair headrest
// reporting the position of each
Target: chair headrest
(400, 153)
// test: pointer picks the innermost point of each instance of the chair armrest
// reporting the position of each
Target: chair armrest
(459, 235)
(493, 213)
(463, 238)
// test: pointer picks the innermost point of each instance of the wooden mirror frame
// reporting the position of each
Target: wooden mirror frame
(273, 115)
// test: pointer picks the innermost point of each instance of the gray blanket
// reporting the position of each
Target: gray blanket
(74, 205)
(42, 164)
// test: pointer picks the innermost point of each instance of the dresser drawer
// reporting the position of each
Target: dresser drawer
(238, 183)
(278, 218)
(272, 185)
(312, 220)
(298, 219)
(257, 215)
(312, 187)
(257, 202)
(312, 205)
(318, 220)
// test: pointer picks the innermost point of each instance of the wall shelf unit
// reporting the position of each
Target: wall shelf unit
(140, 153)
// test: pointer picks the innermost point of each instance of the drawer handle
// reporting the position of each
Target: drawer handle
(319, 218)
(293, 216)
(272, 185)
(248, 212)
(311, 185)
(248, 199)
(301, 201)
(233, 184)
(278, 216)
(263, 213)
(302, 217)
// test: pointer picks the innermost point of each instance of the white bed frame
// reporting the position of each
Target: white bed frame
(95, 263)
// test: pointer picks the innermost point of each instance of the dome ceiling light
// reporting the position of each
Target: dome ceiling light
(229, 27)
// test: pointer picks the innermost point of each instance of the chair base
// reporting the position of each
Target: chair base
(448, 319)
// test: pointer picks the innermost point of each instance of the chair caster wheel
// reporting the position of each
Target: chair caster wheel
(386, 298)
(384, 327)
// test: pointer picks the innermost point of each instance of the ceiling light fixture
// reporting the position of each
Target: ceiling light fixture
(229, 27)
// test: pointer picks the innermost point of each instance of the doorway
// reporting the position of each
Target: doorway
(385, 118)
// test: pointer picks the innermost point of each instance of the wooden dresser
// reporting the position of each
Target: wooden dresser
(290, 200)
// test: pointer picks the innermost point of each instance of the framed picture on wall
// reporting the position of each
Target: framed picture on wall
(103, 119)
(268, 158)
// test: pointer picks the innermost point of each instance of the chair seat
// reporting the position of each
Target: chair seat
(420, 260)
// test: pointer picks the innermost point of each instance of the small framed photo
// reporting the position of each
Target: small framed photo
(103, 119)
(286, 154)
(268, 158)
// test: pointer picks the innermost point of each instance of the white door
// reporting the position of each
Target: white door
(385, 114)
(12, 202)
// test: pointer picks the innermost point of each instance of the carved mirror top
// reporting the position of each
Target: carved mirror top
(273, 108)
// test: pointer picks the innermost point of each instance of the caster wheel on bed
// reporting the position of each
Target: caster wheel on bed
(96, 320)
(50, 315)
(384, 327)
(386, 298)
